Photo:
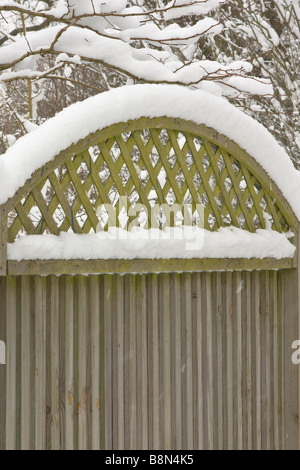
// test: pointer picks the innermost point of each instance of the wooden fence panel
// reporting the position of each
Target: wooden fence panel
(151, 361)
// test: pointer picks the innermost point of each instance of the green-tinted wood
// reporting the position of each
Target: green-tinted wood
(82, 195)
(238, 191)
(213, 160)
(181, 125)
(47, 217)
(64, 203)
(3, 246)
(145, 265)
(204, 177)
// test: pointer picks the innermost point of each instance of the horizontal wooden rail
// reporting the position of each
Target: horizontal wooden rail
(122, 266)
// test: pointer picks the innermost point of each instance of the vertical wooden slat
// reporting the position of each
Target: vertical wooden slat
(209, 333)
(178, 365)
(154, 366)
(3, 246)
(272, 288)
(114, 365)
(102, 358)
(219, 351)
(238, 300)
(189, 362)
(54, 363)
(142, 368)
(26, 391)
(40, 362)
(263, 359)
(268, 365)
(184, 405)
(166, 361)
(249, 361)
(108, 361)
(291, 371)
(132, 363)
(82, 363)
(257, 308)
(69, 363)
(199, 373)
(275, 360)
(229, 360)
(120, 359)
(144, 362)
(3, 338)
(95, 361)
(11, 363)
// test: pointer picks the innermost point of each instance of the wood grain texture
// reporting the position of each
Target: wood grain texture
(122, 266)
(170, 361)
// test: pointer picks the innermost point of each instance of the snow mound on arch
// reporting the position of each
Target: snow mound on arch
(131, 102)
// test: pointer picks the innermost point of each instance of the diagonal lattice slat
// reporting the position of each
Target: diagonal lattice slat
(145, 167)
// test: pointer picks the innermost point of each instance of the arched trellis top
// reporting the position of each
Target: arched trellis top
(166, 160)
(146, 161)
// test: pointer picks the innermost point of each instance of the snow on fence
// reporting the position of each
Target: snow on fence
(177, 349)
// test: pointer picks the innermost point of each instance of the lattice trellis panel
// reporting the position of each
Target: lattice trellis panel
(148, 171)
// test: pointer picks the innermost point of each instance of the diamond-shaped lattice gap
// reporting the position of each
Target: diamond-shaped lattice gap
(60, 172)
(124, 175)
(162, 177)
(145, 135)
(47, 192)
(152, 197)
(221, 163)
(242, 220)
(134, 196)
(135, 153)
(226, 219)
(197, 143)
(94, 152)
(81, 216)
(263, 203)
(59, 215)
(93, 194)
(126, 136)
(143, 175)
(170, 197)
(256, 221)
(249, 202)
(163, 137)
(212, 182)
(71, 193)
(211, 219)
(180, 178)
(187, 199)
(104, 173)
(189, 160)
(243, 184)
(172, 158)
(228, 184)
(115, 152)
(35, 215)
(204, 199)
(235, 202)
(181, 140)
(205, 162)
(197, 180)
(154, 156)
(83, 171)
